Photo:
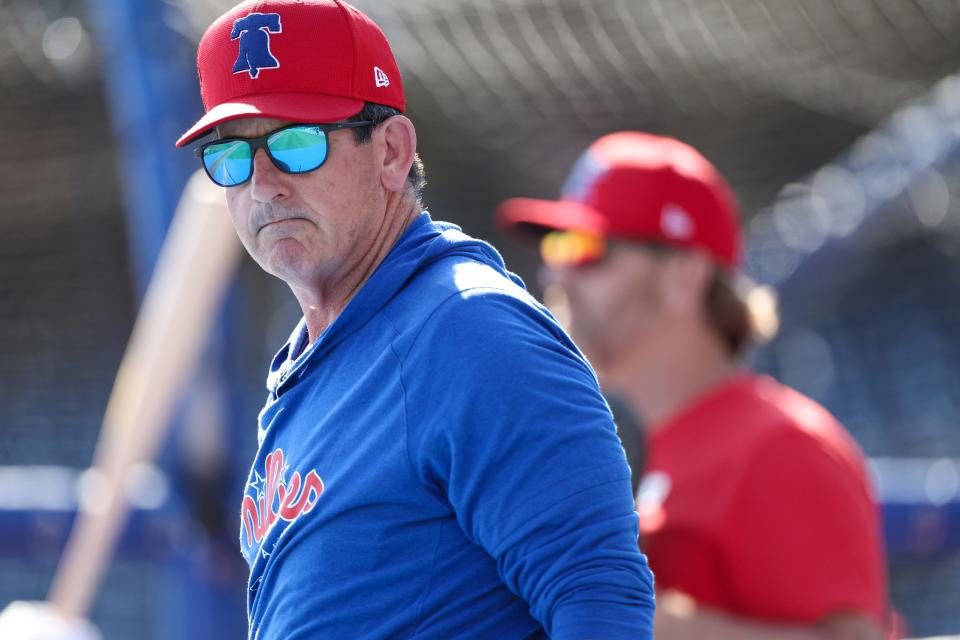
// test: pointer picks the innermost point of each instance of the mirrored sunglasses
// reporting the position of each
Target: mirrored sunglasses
(297, 148)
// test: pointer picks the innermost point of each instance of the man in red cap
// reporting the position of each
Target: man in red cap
(435, 458)
(755, 508)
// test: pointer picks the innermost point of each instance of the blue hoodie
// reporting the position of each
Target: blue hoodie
(440, 464)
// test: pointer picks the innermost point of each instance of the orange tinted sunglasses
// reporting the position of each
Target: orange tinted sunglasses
(571, 248)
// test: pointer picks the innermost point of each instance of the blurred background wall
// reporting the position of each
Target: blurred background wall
(837, 123)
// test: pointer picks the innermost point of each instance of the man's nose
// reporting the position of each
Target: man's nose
(268, 182)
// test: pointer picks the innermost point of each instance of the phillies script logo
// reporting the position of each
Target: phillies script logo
(277, 498)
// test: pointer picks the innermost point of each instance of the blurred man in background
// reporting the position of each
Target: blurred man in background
(756, 512)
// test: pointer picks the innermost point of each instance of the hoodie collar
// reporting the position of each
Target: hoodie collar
(422, 243)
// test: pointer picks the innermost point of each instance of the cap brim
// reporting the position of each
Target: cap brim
(292, 107)
(532, 218)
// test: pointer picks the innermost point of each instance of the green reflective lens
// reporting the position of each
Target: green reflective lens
(228, 163)
(298, 149)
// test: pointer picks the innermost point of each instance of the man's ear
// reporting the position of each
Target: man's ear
(684, 279)
(399, 140)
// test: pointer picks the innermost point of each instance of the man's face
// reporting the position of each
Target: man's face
(310, 228)
(613, 302)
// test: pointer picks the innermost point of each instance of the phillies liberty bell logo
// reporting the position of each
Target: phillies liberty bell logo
(254, 32)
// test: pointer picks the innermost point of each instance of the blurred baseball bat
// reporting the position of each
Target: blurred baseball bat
(191, 277)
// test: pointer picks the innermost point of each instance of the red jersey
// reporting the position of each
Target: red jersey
(756, 502)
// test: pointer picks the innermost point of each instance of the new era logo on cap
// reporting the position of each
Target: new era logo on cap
(380, 77)
(676, 223)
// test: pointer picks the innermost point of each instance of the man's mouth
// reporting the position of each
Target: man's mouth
(269, 223)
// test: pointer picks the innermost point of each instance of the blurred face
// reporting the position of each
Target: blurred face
(313, 227)
(611, 302)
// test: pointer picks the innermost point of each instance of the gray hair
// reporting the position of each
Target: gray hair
(377, 113)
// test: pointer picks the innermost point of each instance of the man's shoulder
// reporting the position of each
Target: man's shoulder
(789, 410)
(757, 414)
(453, 285)
(787, 423)
(459, 274)
(462, 306)
(758, 405)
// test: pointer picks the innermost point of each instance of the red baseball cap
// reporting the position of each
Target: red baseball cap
(296, 60)
(639, 186)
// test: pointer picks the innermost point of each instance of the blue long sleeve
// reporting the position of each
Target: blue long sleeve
(440, 464)
(518, 438)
